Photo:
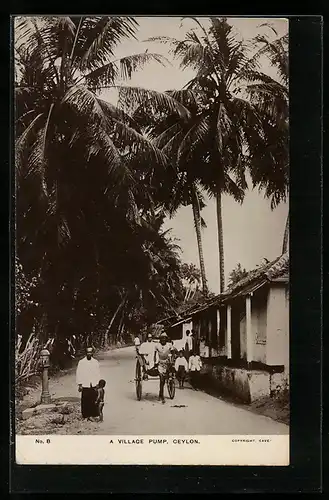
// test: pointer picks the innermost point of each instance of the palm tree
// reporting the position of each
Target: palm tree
(180, 187)
(229, 128)
(79, 192)
(237, 274)
(191, 275)
(271, 168)
(66, 62)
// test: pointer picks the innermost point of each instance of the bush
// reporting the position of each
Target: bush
(26, 358)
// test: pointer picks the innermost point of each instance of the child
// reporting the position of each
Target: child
(100, 398)
(195, 365)
(181, 369)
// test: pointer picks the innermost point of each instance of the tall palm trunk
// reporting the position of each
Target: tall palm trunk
(197, 225)
(220, 241)
(116, 312)
(121, 323)
(285, 244)
(187, 292)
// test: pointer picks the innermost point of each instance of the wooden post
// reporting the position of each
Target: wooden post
(218, 329)
(229, 333)
(249, 332)
(210, 337)
(45, 396)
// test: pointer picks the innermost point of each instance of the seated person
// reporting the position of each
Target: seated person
(147, 352)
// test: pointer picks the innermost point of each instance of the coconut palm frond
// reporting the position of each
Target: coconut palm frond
(277, 51)
(122, 68)
(21, 140)
(203, 223)
(165, 40)
(45, 47)
(102, 77)
(84, 102)
(98, 38)
(133, 213)
(191, 54)
(239, 58)
(225, 41)
(195, 135)
(138, 143)
(117, 113)
(133, 97)
(231, 188)
(185, 96)
(270, 100)
(223, 126)
(21, 144)
(104, 147)
(163, 138)
(37, 161)
(129, 64)
(63, 232)
(252, 76)
(270, 26)
(245, 112)
(61, 31)
(268, 88)
(171, 148)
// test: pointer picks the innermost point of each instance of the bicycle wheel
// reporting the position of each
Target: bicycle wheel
(138, 380)
(171, 387)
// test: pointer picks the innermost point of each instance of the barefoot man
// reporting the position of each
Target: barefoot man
(88, 376)
(164, 351)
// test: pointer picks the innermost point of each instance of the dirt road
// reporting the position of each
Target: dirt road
(191, 412)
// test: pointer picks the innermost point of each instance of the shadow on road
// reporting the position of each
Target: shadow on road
(148, 397)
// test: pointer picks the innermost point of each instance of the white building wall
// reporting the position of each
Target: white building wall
(259, 327)
(277, 348)
(243, 337)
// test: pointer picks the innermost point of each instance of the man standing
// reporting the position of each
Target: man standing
(163, 352)
(188, 344)
(195, 342)
(194, 367)
(181, 369)
(87, 377)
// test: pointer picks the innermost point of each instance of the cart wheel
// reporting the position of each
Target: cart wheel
(138, 381)
(171, 387)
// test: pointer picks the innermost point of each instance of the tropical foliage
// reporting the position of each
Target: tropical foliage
(95, 181)
(83, 177)
(239, 118)
(237, 274)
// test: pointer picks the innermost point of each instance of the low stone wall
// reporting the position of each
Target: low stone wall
(279, 382)
(245, 385)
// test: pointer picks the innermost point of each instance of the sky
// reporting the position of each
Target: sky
(252, 231)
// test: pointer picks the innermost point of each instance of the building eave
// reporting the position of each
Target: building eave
(184, 320)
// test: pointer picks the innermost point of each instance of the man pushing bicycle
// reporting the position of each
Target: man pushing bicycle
(164, 352)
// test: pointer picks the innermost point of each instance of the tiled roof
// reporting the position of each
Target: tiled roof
(268, 272)
(278, 269)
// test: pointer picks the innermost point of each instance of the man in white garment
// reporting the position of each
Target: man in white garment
(137, 343)
(188, 344)
(194, 366)
(87, 377)
(147, 350)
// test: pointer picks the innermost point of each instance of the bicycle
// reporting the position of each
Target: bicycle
(153, 374)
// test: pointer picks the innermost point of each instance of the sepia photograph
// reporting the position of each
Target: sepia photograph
(151, 240)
